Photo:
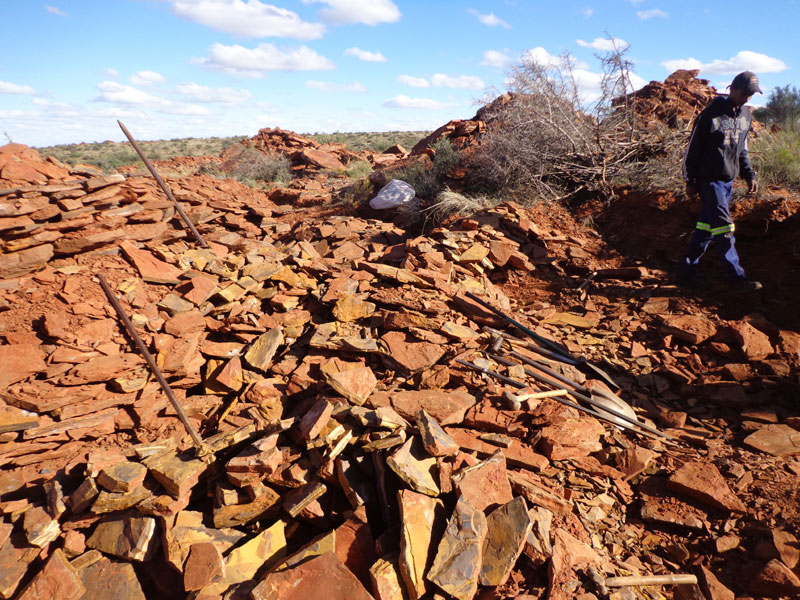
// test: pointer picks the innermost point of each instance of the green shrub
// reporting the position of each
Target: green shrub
(428, 182)
(358, 169)
(776, 158)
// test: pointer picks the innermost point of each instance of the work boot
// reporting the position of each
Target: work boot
(745, 285)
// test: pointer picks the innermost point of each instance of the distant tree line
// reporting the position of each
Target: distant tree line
(783, 108)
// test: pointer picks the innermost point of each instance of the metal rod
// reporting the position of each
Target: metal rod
(580, 393)
(152, 364)
(651, 580)
(560, 400)
(516, 324)
(164, 187)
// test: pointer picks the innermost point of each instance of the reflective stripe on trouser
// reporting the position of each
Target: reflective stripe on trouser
(714, 225)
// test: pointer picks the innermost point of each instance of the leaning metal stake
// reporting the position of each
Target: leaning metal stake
(198, 442)
(164, 187)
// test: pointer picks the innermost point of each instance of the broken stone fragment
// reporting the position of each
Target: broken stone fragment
(434, 439)
(55, 498)
(350, 308)
(307, 580)
(122, 477)
(262, 551)
(82, 497)
(40, 528)
(113, 501)
(260, 354)
(415, 467)
(16, 419)
(203, 566)
(315, 420)
(386, 581)
(703, 481)
(485, 484)
(242, 514)
(179, 538)
(355, 384)
(57, 579)
(298, 499)
(446, 407)
(507, 529)
(178, 473)
(775, 580)
(457, 566)
(262, 456)
(104, 579)
(711, 586)
(128, 536)
(422, 521)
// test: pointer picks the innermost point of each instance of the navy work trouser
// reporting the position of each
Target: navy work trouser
(713, 226)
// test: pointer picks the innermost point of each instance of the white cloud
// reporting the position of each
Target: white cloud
(53, 10)
(463, 82)
(366, 12)
(246, 62)
(746, 60)
(13, 88)
(653, 13)
(112, 72)
(401, 101)
(588, 12)
(115, 93)
(327, 86)
(365, 55)
(204, 93)
(604, 44)
(491, 20)
(146, 78)
(417, 82)
(493, 58)
(123, 94)
(249, 18)
(543, 58)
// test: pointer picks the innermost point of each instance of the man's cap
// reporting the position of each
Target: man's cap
(747, 81)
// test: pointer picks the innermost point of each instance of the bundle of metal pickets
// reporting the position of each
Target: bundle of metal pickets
(598, 400)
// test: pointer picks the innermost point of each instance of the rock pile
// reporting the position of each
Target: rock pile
(675, 102)
(346, 447)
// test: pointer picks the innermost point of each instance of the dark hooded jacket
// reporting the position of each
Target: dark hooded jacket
(717, 149)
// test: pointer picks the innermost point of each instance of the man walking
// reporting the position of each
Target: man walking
(716, 154)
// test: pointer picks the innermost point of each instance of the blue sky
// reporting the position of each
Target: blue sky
(199, 68)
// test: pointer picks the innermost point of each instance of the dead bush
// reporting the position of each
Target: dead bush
(248, 165)
(550, 142)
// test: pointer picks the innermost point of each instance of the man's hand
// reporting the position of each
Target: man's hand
(752, 186)
(691, 190)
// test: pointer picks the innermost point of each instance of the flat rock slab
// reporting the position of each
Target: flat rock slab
(177, 473)
(128, 536)
(693, 329)
(519, 454)
(775, 580)
(106, 579)
(458, 561)
(354, 384)
(415, 467)
(703, 482)
(150, 268)
(410, 355)
(755, 345)
(19, 361)
(57, 579)
(422, 520)
(486, 483)
(507, 529)
(447, 407)
(203, 566)
(571, 438)
(308, 580)
(778, 440)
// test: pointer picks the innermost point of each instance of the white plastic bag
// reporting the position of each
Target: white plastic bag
(393, 194)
